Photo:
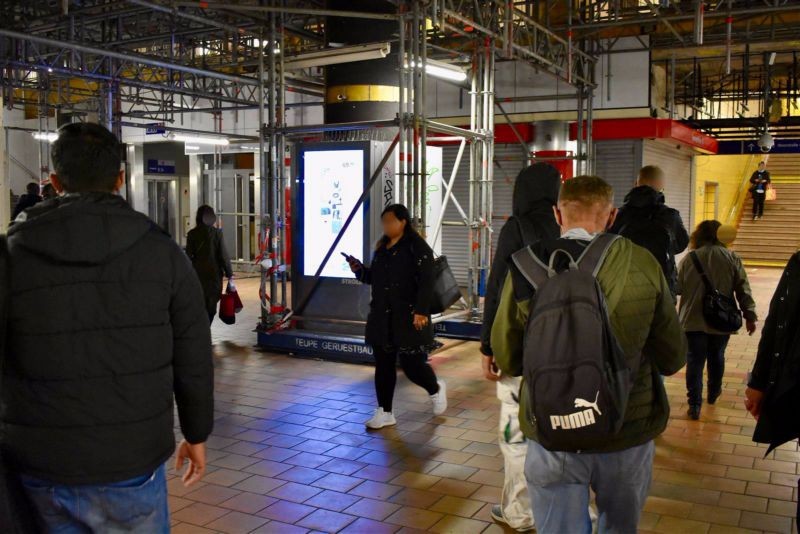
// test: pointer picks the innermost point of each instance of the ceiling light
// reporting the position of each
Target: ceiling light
(45, 136)
(445, 71)
(200, 140)
(191, 147)
(347, 54)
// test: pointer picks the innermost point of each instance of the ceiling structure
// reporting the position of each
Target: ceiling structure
(158, 59)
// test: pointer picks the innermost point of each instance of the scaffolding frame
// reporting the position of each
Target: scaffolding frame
(159, 75)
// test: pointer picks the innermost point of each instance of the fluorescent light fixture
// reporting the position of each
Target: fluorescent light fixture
(45, 136)
(191, 147)
(200, 140)
(345, 54)
(445, 71)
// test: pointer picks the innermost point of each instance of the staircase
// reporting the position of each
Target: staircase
(772, 240)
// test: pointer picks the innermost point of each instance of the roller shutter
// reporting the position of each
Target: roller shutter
(618, 162)
(677, 166)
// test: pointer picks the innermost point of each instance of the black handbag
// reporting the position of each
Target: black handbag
(720, 311)
(16, 513)
(446, 290)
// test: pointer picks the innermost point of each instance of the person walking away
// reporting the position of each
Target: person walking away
(773, 387)
(28, 200)
(532, 219)
(706, 345)
(759, 181)
(205, 246)
(575, 447)
(399, 323)
(646, 220)
(106, 327)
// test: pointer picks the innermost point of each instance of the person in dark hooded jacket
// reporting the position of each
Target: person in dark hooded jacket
(28, 200)
(205, 246)
(106, 332)
(773, 387)
(535, 194)
(646, 220)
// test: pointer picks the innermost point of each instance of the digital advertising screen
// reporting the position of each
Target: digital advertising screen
(333, 181)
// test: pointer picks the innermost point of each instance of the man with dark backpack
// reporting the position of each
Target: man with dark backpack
(532, 219)
(588, 321)
(646, 220)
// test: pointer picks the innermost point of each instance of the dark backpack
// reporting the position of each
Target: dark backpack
(646, 230)
(575, 370)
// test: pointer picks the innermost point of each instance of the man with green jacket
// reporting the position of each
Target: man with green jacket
(645, 323)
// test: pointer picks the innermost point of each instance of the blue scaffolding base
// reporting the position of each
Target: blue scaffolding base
(335, 347)
(459, 329)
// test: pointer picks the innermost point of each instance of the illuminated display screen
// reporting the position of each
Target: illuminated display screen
(333, 181)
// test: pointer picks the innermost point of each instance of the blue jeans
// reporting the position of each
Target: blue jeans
(559, 484)
(704, 348)
(135, 505)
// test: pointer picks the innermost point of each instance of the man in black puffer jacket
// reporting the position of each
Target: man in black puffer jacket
(533, 219)
(106, 324)
(646, 220)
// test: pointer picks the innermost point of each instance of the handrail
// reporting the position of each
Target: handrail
(741, 195)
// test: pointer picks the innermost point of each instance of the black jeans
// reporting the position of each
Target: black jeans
(758, 204)
(415, 366)
(704, 347)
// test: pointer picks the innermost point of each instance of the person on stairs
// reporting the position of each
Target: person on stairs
(399, 323)
(532, 219)
(759, 181)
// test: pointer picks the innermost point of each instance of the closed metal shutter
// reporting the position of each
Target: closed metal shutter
(677, 166)
(509, 162)
(618, 162)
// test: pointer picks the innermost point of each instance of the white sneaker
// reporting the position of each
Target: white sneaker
(439, 399)
(381, 419)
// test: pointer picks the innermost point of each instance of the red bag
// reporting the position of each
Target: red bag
(229, 305)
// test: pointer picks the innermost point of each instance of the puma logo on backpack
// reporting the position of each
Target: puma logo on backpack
(575, 370)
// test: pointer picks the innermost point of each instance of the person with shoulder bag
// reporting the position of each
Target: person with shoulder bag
(205, 246)
(709, 278)
(399, 323)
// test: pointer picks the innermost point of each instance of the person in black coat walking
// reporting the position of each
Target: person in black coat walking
(399, 323)
(106, 332)
(28, 200)
(532, 219)
(206, 248)
(646, 220)
(759, 182)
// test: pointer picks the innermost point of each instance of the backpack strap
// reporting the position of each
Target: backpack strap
(595, 254)
(534, 271)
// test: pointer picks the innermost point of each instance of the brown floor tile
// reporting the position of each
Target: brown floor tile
(225, 477)
(248, 503)
(415, 480)
(672, 525)
(276, 454)
(267, 468)
(743, 502)
(368, 526)
(414, 518)
(375, 490)
(259, 484)
(276, 527)
(294, 492)
(372, 509)
(234, 461)
(212, 494)
(769, 523)
(377, 473)
(333, 500)
(287, 512)
(199, 514)
(302, 475)
(457, 506)
(237, 523)
(336, 482)
(416, 498)
(715, 514)
(326, 521)
(458, 525)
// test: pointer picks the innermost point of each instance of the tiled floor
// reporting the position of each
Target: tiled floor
(290, 452)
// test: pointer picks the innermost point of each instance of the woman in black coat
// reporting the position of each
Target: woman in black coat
(399, 325)
(206, 248)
